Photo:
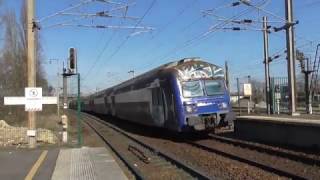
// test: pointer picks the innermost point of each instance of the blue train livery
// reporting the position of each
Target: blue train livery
(183, 96)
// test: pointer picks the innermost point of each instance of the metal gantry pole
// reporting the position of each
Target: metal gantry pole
(291, 57)
(80, 139)
(238, 86)
(227, 75)
(266, 61)
(249, 102)
(31, 67)
(65, 92)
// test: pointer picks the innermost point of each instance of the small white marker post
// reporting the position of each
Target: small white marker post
(32, 101)
(247, 91)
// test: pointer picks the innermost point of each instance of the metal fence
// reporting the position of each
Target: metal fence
(279, 95)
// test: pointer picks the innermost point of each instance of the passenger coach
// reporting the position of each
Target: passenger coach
(189, 94)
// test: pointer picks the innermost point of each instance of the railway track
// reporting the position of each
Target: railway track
(246, 161)
(283, 162)
(153, 164)
(262, 158)
(305, 158)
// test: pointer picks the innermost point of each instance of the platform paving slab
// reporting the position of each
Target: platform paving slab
(87, 163)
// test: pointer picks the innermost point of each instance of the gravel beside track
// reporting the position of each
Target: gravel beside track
(143, 161)
(260, 161)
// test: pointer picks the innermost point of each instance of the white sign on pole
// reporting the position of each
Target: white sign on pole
(247, 91)
(33, 99)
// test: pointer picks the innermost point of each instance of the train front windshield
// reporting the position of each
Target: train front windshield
(198, 89)
(192, 89)
(214, 87)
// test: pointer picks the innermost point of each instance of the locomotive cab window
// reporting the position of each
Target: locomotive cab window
(192, 89)
(214, 87)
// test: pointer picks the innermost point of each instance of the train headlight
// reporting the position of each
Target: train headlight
(189, 109)
(223, 105)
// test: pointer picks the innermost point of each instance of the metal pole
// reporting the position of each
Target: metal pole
(78, 114)
(266, 61)
(307, 88)
(249, 102)
(291, 58)
(227, 75)
(238, 86)
(31, 67)
(58, 89)
(65, 91)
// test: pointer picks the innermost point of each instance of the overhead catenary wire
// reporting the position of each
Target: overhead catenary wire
(99, 14)
(82, 3)
(201, 36)
(169, 23)
(108, 26)
(227, 5)
(64, 10)
(246, 2)
(126, 39)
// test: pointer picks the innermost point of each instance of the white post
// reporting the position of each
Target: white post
(249, 102)
(64, 120)
(278, 106)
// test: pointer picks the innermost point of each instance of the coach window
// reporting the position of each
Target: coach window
(156, 96)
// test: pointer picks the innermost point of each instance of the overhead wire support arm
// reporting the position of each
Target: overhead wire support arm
(110, 27)
(248, 3)
(99, 14)
(225, 6)
(82, 3)
(64, 22)
(286, 26)
(64, 10)
(221, 18)
(240, 29)
(110, 2)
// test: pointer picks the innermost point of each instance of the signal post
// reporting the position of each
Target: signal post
(71, 71)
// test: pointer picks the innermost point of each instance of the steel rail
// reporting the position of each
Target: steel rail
(138, 175)
(288, 155)
(244, 160)
(194, 173)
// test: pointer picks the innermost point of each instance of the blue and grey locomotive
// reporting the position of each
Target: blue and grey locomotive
(186, 95)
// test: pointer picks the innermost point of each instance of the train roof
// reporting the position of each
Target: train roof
(185, 68)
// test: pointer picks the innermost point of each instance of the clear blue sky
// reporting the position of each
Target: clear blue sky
(176, 23)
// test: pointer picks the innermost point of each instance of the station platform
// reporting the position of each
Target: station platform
(302, 132)
(87, 163)
(59, 164)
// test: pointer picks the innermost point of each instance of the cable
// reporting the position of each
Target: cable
(64, 10)
(261, 9)
(171, 21)
(104, 48)
(200, 37)
(128, 37)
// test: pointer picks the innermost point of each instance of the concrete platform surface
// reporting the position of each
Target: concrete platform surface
(298, 132)
(20, 164)
(87, 163)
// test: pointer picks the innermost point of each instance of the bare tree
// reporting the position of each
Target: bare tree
(13, 61)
